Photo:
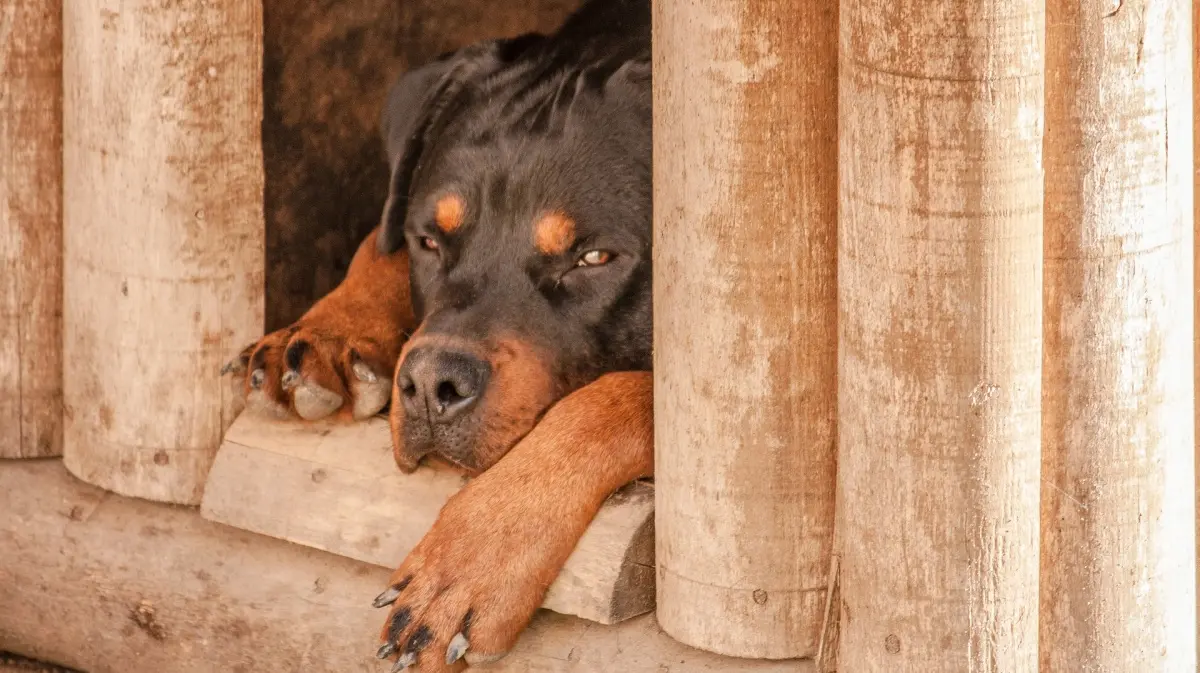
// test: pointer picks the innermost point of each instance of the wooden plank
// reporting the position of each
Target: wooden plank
(1118, 451)
(163, 235)
(940, 334)
(30, 228)
(108, 584)
(335, 487)
(745, 271)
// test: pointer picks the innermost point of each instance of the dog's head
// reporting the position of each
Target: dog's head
(522, 193)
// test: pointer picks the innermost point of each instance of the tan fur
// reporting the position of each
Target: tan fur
(448, 213)
(554, 234)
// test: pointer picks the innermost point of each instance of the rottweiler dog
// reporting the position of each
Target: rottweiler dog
(501, 312)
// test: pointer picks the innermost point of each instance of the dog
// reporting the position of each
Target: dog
(501, 314)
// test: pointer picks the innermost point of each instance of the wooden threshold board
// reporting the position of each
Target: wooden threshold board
(335, 487)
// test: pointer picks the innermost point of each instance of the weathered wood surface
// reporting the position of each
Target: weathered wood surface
(109, 584)
(745, 321)
(1118, 507)
(163, 235)
(1196, 265)
(940, 293)
(336, 487)
(30, 229)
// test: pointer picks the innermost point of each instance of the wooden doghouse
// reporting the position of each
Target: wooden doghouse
(925, 308)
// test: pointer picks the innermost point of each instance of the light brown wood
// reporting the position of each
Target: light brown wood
(1118, 503)
(940, 283)
(163, 224)
(335, 487)
(30, 228)
(1195, 266)
(108, 584)
(745, 321)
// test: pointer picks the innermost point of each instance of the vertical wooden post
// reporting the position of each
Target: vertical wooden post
(940, 283)
(745, 321)
(163, 235)
(1195, 272)
(30, 229)
(1118, 505)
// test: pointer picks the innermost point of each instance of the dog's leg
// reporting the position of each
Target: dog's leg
(473, 583)
(339, 357)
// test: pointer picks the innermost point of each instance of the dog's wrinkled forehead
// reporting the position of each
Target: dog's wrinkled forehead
(532, 187)
(504, 135)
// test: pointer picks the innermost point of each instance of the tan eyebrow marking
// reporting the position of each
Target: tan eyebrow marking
(554, 233)
(449, 213)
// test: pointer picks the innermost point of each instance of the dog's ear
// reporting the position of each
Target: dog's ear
(417, 107)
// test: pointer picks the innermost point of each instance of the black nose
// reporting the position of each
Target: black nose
(440, 385)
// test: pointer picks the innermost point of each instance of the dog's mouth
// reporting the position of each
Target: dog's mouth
(471, 457)
(471, 447)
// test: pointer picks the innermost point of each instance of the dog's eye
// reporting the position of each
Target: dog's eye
(595, 258)
(428, 243)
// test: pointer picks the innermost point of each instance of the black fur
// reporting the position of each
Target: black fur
(521, 127)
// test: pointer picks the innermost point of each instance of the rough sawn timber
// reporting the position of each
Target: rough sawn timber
(30, 229)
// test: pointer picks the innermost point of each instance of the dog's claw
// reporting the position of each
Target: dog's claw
(457, 648)
(407, 659)
(387, 597)
(257, 378)
(290, 379)
(386, 650)
(234, 366)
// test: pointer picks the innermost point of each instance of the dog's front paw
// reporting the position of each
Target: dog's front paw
(314, 369)
(471, 586)
(340, 356)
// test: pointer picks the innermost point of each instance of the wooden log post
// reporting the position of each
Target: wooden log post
(745, 321)
(163, 236)
(940, 285)
(1118, 506)
(1196, 281)
(30, 229)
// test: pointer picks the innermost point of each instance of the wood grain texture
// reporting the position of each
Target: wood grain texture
(745, 321)
(30, 229)
(1118, 506)
(163, 236)
(940, 284)
(108, 584)
(335, 487)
